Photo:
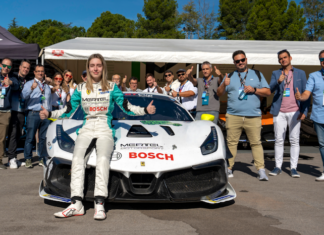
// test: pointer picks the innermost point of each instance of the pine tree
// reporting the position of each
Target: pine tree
(314, 13)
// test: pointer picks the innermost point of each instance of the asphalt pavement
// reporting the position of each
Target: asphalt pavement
(283, 205)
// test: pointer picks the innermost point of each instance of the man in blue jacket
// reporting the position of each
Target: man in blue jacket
(8, 83)
(315, 87)
(36, 93)
(287, 111)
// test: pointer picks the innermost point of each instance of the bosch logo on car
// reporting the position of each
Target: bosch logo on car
(160, 156)
(98, 108)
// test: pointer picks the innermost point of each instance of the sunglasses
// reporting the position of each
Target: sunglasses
(180, 74)
(68, 76)
(6, 66)
(322, 59)
(58, 78)
(167, 75)
(238, 61)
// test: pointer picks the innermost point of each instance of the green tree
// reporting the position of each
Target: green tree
(161, 20)
(41, 32)
(13, 24)
(232, 18)
(269, 20)
(20, 32)
(110, 25)
(314, 13)
(199, 21)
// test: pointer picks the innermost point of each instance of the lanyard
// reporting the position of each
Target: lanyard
(322, 71)
(22, 82)
(243, 80)
(207, 84)
(149, 89)
(59, 92)
(170, 84)
(182, 86)
(286, 79)
(41, 86)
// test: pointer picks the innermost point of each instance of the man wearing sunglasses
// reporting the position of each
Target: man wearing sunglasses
(17, 119)
(36, 93)
(315, 87)
(208, 101)
(186, 93)
(171, 85)
(244, 88)
(287, 111)
(8, 83)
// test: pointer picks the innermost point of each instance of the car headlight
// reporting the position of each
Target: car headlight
(211, 143)
(65, 142)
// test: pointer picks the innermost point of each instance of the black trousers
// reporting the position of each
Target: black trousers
(17, 121)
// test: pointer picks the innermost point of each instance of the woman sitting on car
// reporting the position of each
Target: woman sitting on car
(96, 97)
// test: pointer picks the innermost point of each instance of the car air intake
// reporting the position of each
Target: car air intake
(168, 130)
(138, 131)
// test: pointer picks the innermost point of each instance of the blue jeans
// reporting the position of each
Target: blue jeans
(33, 123)
(319, 128)
(215, 113)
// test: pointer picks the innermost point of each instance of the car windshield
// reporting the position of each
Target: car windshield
(166, 109)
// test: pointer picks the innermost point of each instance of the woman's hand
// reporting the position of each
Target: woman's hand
(151, 108)
(43, 114)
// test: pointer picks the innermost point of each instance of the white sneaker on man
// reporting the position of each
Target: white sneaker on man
(13, 163)
(262, 175)
(75, 209)
(321, 178)
(100, 213)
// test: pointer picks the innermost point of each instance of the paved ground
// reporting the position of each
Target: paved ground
(281, 206)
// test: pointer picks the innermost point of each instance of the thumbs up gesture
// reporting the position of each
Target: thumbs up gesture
(227, 80)
(189, 71)
(151, 108)
(217, 71)
(282, 77)
(297, 94)
(43, 114)
(34, 85)
(124, 79)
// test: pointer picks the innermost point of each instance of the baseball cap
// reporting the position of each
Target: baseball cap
(84, 72)
(181, 70)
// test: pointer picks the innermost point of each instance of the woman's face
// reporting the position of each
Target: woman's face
(95, 69)
(58, 80)
(68, 77)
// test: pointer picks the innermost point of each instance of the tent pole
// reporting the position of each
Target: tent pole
(37, 61)
(197, 72)
(43, 56)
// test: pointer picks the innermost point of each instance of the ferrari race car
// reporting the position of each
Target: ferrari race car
(165, 157)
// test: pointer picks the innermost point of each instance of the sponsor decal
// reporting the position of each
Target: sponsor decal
(219, 199)
(57, 197)
(57, 52)
(50, 147)
(98, 109)
(145, 95)
(142, 163)
(88, 92)
(160, 123)
(49, 144)
(102, 92)
(94, 99)
(143, 155)
(140, 146)
(116, 156)
(174, 147)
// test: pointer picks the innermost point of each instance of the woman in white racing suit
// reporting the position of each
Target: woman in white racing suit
(96, 97)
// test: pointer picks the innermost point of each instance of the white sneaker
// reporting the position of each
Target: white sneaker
(321, 178)
(262, 175)
(230, 173)
(13, 163)
(75, 209)
(100, 213)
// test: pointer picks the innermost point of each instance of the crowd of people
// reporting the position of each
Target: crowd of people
(23, 98)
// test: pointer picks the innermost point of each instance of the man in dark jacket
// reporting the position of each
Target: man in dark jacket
(287, 111)
(8, 83)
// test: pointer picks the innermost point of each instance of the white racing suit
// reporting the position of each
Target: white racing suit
(97, 106)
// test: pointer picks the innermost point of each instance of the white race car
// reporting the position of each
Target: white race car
(165, 157)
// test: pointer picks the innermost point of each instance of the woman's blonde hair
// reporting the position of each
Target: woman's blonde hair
(104, 77)
(64, 87)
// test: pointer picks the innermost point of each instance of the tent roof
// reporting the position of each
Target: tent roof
(12, 47)
(184, 51)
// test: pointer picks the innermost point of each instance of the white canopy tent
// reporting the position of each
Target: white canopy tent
(183, 51)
